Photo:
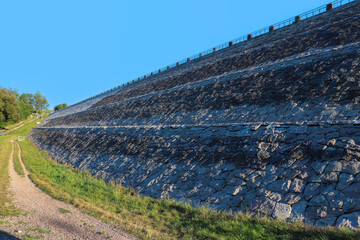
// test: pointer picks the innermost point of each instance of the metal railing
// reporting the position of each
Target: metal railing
(244, 38)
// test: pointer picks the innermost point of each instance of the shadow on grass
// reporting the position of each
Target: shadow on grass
(7, 236)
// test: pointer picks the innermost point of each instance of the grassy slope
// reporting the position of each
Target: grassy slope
(150, 218)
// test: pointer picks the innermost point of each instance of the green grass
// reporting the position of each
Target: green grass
(23, 131)
(149, 218)
(39, 230)
(63, 210)
(17, 165)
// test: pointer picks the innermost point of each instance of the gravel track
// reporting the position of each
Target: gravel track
(43, 213)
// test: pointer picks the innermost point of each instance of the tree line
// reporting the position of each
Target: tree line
(15, 107)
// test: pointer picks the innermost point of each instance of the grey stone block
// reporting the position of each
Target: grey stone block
(319, 167)
(292, 198)
(314, 212)
(312, 189)
(318, 201)
(344, 181)
(262, 206)
(234, 190)
(298, 211)
(335, 166)
(297, 185)
(351, 220)
(282, 211)
(281, 186)
(269, 179)
(353, 190)
(335, 199)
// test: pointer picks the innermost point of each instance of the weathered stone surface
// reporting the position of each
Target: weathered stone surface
(316, 212)
(353, 190)
(262, 206)
(269, 179)
(319, 167)
(329, 177)
(351, 204)
(351, 168)
(254, 182)
(318, 201)
(312, 189)
(217, 184)
(327, 187)
(297, 185)
(274, 196)
(335, 199)
(234, 181)
(351, 220)
(235, 190)
(292, 198)
(344, 181)
(205, 193)
(235, 201)
(335, 166)
(298, 211)
(281, 186)
(290, 173)
(282, 211)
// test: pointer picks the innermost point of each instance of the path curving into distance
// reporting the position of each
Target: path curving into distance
(43, 213)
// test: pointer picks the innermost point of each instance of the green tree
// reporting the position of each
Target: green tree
(60, 106)
(8, 108)
(40, 102)
(25, 101)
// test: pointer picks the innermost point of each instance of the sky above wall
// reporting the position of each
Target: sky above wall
(70, 50)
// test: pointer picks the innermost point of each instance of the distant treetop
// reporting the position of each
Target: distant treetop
(60, 106)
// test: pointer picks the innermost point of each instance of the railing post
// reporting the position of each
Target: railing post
(231, 43)
(329, 6)
(297, 19)
(250, 36)
(272, 28)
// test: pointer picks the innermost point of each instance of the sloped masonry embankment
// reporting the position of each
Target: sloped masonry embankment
(269, 126)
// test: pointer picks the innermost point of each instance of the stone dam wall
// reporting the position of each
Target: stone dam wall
(269, 126)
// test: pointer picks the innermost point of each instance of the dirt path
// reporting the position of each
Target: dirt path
(44, 214)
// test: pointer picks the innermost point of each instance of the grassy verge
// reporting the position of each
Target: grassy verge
(17, 165)
(149, 218)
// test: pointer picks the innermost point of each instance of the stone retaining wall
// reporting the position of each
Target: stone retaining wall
(269, 126)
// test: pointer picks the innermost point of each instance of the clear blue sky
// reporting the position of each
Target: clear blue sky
(73, 49)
